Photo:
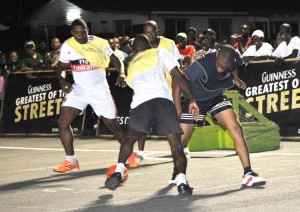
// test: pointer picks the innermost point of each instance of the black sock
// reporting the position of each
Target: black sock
(247, 170)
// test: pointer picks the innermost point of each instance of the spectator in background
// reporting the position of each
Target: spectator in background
(42, 47)
(3, 59)
(259, 50)
(127, 46)
(233, 39)
(290, 46)
(2, 82)
(205, 48)
(115, 46)
(186, 51)
(277, 41)
(192, 38)
(32, 59)
(48, 61)
(55, 45)
(244, 39)
(14, 63)
(211, 35)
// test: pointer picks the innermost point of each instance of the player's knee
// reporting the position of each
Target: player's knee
(62, 123)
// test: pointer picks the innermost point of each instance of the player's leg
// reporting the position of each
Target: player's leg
(187, 133)
(140, 122)
(228, 119)
(115, 128)
(136, 157)
(105, 108)
(226, 116)
(66, 117)
(126, 149)
(168, 124)
(180, 163)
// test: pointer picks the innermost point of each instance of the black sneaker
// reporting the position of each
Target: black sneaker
(184, 189)
(113, 181)
(173, 180)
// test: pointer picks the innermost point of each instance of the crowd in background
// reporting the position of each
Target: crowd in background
(251, 46)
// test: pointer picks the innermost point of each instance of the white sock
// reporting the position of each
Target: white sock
(120, 168)
(71, 158)
(140, 153)
(186, 149)
(181, 179)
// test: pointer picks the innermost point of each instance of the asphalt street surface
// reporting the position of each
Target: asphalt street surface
(27, 182)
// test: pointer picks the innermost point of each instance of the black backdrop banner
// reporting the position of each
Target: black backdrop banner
(274, 90)
(32, 105)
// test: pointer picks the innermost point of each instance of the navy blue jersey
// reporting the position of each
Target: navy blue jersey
(206, 81)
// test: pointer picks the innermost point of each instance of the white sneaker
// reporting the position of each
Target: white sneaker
(252, 179)
(187, 152)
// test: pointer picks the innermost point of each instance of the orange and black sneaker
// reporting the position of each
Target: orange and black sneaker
(66, 166)
(134, 160)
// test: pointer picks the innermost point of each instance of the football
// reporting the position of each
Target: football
(112, 169)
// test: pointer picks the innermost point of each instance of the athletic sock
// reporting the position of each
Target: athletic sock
(120, 168)
(140, 153)
(71, 158)
(181, 179)
(247, 170)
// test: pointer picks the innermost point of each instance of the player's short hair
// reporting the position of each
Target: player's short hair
(79, 22)
(151, 23)
(141, 42)
(227, 53)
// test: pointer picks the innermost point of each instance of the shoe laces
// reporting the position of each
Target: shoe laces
(252, 174)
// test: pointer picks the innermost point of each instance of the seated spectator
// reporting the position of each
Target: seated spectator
(290, 46)
(3, 59)
(42, 47)
(191, 36)
(205, 48)
(32, 59)
(2, 82)
(244, 39)
(277, 41)
(115, 46)
(48, 61)
(259, 50)
(211, 35)
(186, 51)
(55, 45)
(127, 45)
(14, 63)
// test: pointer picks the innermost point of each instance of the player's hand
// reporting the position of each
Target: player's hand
(240, 84)
(65, 86)
(121, 82)
(194, 110)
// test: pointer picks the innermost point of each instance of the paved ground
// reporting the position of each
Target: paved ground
(27, 182)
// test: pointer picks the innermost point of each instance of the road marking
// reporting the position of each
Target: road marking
(211, 152)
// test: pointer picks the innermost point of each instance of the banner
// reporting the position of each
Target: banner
(274, 90)
(32, 104)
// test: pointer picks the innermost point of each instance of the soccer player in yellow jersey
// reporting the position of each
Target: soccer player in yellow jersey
(151, 30)
(151, 100)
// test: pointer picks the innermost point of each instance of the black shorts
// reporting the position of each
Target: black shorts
(158, 111)
(213, 106)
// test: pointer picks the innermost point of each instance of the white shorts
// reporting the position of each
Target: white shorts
(97, 96)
